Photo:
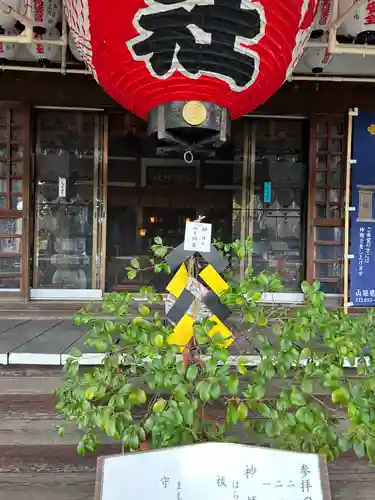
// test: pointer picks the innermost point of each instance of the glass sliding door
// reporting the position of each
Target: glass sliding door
(278, 203)
(151, 196)
(68, 205)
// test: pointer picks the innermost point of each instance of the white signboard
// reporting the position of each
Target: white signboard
(213, 471)
(198, 237)
(62, 187)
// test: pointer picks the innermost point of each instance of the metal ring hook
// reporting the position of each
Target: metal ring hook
(188, 157)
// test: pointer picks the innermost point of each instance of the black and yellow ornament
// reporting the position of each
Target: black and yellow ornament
(177, 285)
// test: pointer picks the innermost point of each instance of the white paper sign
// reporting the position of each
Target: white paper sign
(213, 471)
(198, 237)
(62, 187)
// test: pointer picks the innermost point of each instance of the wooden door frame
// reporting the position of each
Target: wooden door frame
(22, 293)
(100, 162)
(26, 222)
(313, 221)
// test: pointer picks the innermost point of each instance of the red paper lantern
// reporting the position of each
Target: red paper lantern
(234, 53)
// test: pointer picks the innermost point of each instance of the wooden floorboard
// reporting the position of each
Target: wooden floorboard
(47, 486)
(79, 485)
(80, 344)
(6, 324)
(44, 385)
(56, 340)
(16, 337)
(38, 432)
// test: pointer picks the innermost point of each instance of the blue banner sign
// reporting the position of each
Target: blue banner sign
(267, 192)
(362, 265)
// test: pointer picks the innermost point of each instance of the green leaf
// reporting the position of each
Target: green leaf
(300, 414)
(141, 397)
(159, 340)
(241, 253)
(158, 268)
(148, 425)
(192, 373)
(144, 310)
(340, 396)
(370, 449)
(126, 389)
(233, 385)
(231, 417)
(203, 389)
(241, 366)
(90, 392)
(242, 411)
(306, 288)
(180, 368)
(158, 240)
(110, 426)
(352, 411)
(132, 275)
(161, 252)
(180, 393)
(264, 410)
(296, 398)
(258, 391)
(76, 353)
(159, 406)
(134, 442)
(344, 444)
(215, 390)
(211, 366)
(134, 263)
(269, 371)
(359, 448)
(60, 430)
(142, 434)
(307, 386)
(81, 448)
(309, 418)
(188, 414)
(250, 318)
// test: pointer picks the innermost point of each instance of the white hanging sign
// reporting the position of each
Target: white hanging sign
(62, 187)
(213, 471)
(198, 237)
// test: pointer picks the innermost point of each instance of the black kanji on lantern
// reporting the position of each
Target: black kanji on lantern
(206, 38)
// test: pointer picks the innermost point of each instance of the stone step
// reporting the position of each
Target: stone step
(37, 431)
(29, 385)
(48, 486)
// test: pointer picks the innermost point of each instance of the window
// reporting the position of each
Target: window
(326, 205)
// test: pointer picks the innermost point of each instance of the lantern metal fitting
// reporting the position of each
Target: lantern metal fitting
(189, 127)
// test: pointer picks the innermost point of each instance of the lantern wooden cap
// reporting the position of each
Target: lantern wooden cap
(194, 113)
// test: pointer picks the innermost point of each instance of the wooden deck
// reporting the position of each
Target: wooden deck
(48, 342)
(41, 342)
